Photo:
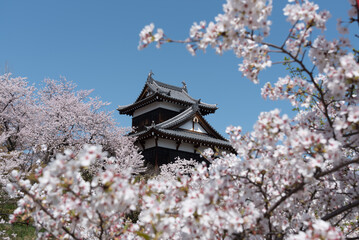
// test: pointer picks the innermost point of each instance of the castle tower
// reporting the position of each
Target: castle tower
(169, 123)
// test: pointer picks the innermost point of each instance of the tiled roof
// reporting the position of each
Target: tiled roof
(183, 134)
(166, 92)
(176, 93)
(167, 86)
(195, 136)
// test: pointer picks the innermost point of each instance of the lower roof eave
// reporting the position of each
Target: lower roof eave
(147, 134)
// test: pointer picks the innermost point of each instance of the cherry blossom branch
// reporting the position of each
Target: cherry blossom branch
(297, 187)
(341, 210)
(289, 33)
(282, 62)
(25, 191)
(336, 168)
(310, 74)
(101, 224)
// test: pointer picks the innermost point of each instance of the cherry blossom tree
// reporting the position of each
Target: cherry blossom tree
(16, 108)
(290, 179)
(70, 119)
(35, 125)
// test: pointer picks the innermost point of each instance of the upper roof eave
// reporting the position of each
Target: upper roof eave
(129, 109)
(164, 90)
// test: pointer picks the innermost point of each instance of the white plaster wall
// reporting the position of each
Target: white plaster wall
(155, 105)
(150, 143)
(166, 143)
(186, 147)
(187, 125)
(197, 127)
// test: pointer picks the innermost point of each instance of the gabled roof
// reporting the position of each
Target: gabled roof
(189, 114)
(159, 91)
(169, 129)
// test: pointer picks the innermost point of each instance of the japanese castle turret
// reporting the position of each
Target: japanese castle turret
(169, 123)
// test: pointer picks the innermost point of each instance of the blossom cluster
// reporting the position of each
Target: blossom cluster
(318, 230)
(306, 11)
(229, 32)
(63, 205)
(232, 197)
(295, 89)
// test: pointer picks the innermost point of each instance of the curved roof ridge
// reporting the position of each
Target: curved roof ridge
(189, 112)
(178, 118)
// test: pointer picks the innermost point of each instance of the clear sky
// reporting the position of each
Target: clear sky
(94, 44)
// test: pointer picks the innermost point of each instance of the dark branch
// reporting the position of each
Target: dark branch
(336, 168)
(341, 210)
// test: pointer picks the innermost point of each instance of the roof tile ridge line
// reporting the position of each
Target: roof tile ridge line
(146, 84)
(181, 100)
(209, 138)
(141, 101)
(158, 86)
(203, 103)
(149, 84)
(159, 83)
(193, 133)
(179, 117)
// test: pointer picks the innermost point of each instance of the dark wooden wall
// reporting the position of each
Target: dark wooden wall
(158, 115)
(157, 156)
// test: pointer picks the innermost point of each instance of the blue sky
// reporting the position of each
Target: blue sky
(94, 44)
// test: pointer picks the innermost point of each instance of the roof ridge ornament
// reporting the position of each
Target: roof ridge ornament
(153, 124)
(184, 87)
(149, 77)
